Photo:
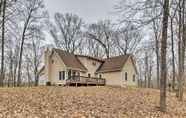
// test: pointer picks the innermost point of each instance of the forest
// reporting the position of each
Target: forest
(154, 31)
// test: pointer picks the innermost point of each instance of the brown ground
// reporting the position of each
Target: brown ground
(86, 102)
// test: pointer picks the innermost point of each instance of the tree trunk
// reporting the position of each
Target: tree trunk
(173, 61)
(181, 47)
(145, 83)
(157, 64)
(157, 54)
(21, 49)
(14, 73)
(2, 44)
(36, 80)
(36, 76)
(183, 51)
(146, 70)
(149, 76)
(1, 4)
(28, 74)
(10, 69)
(20, 61)
(163, 64)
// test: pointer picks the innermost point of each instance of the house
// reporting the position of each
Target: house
(63, 68)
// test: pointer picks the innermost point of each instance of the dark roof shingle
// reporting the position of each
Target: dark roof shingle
(90, 57)
(113, 64)
(70, 60)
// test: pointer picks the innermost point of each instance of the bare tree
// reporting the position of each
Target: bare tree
(102, 33)
(28, 70)
(163, 77)
(146, 15)
(36, 54)
(146, 69)
(2, 42)
(172, 17)
(127, 39)
(94, 48)
(156, 29)
(32, 12)
(181, 47)
(67, 33)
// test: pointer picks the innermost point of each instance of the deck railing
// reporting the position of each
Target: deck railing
(85, 80)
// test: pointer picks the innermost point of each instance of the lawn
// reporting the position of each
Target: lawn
(86, 102)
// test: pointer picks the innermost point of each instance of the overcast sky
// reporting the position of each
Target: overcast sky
(89, 10)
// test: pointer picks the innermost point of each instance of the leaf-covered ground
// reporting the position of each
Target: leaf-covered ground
(86, 102)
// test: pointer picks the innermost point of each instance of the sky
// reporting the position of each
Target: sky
(89, 10)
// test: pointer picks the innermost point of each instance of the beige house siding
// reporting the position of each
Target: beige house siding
(113, 78)
(55, 68)
(42, 78)
(47, 65)
(130, 69)
(118, 78)
(54, 64)
(88, 63)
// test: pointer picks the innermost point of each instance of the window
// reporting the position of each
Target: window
(100, 76)
(126, 76)
(134, 78)
(73, 75)
(78, 74)
(69, 74)
(62, 75)
(89, 75)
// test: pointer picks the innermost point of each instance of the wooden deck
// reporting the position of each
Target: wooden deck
(80, 80)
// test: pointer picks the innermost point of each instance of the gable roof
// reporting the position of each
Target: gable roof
(70, 60)
(113, 64)
(90, 57)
